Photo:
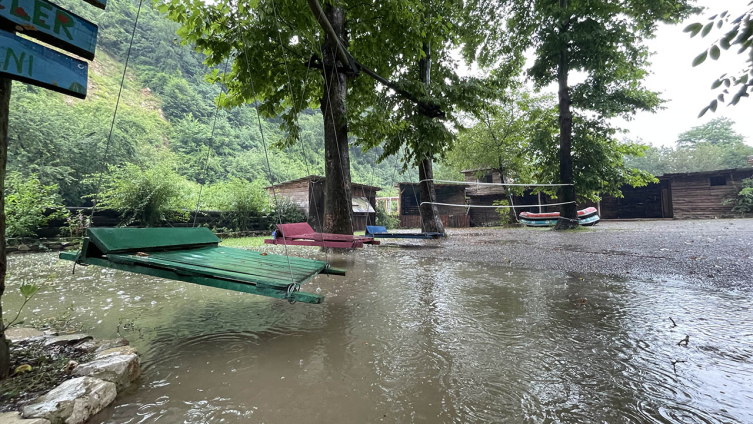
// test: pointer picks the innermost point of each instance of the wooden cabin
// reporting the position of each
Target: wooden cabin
(700, 194)
(483, 195)
(451, 216)
(680, 196)
(308, 194)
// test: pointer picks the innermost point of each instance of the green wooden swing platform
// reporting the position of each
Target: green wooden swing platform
(193, 255)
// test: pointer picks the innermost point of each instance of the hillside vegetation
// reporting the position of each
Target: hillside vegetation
(166, 116)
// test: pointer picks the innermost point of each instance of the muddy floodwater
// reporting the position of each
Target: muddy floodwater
(405, 339)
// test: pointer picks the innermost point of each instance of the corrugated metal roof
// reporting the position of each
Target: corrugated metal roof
(361, 204)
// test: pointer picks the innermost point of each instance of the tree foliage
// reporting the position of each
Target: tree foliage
(708, 147)
(146, 195)
(739, 36)
(599, 160)
(27, 201)
(716, 132)
(241, 198)
(743, 202)
(501, 138)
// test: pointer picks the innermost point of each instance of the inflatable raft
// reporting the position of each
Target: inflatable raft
(588, 216)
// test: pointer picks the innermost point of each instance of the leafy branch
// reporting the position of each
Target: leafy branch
(740, 35)
(27, 291)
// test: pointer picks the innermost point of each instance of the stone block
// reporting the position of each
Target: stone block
(17, 334)
(118, 369)
(72, 402)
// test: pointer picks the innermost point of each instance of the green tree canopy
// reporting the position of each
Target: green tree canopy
(709, 147)
(718, 131)
(501, 138)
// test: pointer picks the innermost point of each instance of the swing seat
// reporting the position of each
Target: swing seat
(301, 234)
(193, 255)
(381, 232)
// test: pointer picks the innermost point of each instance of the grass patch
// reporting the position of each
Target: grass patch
(244, 242)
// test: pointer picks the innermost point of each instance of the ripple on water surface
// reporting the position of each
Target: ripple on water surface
(405, 339)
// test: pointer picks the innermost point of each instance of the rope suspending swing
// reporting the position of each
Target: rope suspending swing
(211, 141)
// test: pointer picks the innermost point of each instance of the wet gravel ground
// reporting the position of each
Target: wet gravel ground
(706, 251)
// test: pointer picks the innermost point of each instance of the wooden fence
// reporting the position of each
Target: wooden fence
(218, 221)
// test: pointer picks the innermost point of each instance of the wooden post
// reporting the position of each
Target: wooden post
(5, 88)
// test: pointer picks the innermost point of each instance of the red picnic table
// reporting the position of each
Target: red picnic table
(301, 234)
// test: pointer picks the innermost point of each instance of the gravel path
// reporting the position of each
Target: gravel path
(708, 251)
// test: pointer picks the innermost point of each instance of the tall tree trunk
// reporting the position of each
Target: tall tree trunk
(510, 211)
(338, 211)
(430, 221)
(569, 211)
(5, 87)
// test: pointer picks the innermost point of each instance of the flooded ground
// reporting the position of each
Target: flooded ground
(411, 338)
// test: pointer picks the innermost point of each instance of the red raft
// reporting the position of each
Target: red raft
(301, 234)
(586, 217)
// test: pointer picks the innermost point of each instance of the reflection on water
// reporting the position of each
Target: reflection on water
(402, 339)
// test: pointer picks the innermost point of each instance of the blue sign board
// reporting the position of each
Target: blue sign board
(24, 60)
(46, 22)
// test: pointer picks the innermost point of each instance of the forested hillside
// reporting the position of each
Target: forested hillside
(165, 119)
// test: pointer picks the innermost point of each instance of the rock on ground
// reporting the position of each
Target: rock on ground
(72, 402)
(17, 334)
(90, 346)
(15, 418)
(68, 339)
(122, 350)
(118, 369)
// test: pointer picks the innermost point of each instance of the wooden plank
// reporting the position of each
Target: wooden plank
(241, 264)
(51, 24)
(216, 273)
(25, 61)
(271, 258)
(261, 290)
(113, 240)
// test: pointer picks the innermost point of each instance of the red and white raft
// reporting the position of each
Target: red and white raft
(588, 216)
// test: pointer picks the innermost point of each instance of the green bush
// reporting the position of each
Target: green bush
(505, 216)
(287, 211)
(26, 203)
(385, 219)
(743, 203)
(241, 199)
(147, 196)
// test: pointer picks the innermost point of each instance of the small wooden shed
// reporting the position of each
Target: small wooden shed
(451, 216)
(700, 194)
(483, 195)
(308, 194)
